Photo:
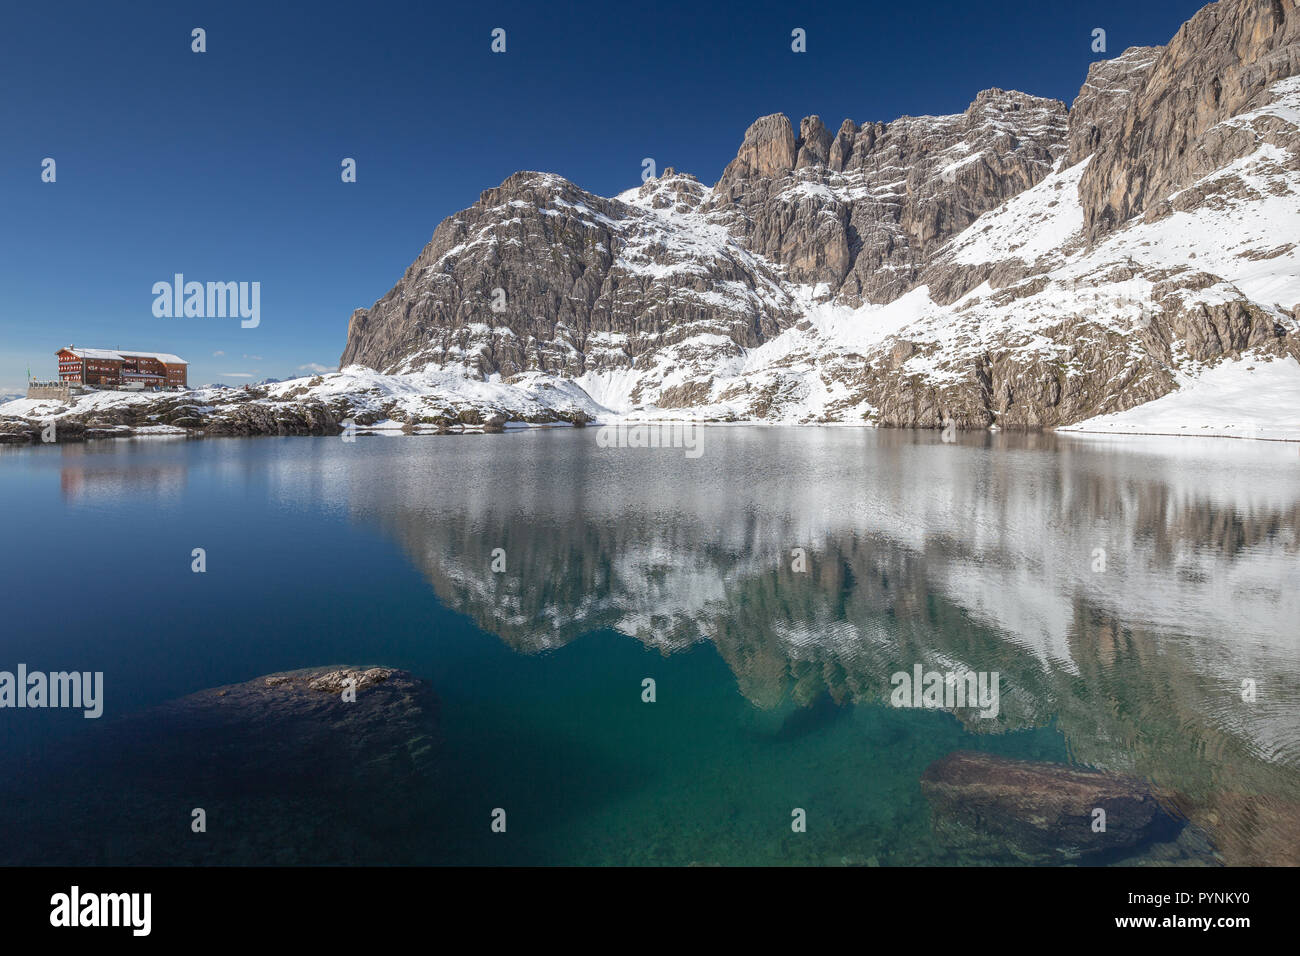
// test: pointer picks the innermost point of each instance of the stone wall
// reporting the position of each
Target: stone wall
(62, 393)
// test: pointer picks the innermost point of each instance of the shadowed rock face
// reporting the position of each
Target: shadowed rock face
(286, 770)
(1045, 811)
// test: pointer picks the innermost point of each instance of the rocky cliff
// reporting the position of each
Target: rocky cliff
(1194, 111)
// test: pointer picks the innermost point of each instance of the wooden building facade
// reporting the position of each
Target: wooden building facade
(117, 368)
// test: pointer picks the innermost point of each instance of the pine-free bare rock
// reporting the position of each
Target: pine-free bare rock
(1221, 63)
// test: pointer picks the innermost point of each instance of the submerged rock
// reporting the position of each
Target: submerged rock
(289, 768)
(1042, 812)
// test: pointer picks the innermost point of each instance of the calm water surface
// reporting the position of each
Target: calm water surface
(625, 564)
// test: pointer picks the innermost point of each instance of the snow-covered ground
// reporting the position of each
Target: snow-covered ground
(1250, 398)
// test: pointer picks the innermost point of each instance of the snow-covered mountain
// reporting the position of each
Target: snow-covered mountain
(1017, 264)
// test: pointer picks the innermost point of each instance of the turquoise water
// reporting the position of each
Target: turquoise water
(772, 683)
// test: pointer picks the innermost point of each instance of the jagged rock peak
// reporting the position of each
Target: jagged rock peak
(1009, 99)
(999, 102)
(842, 145)
(767, 150)
(527, 185)
(814, 143)
(770, 149)
(671, 189)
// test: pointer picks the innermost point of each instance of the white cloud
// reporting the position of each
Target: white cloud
(218, 354)
(235, 375)
(314, 367)
(253, 358)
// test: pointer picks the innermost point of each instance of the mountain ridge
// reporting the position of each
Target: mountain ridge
(715, 301)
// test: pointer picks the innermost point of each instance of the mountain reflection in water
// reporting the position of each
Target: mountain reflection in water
(980, 555)
(1124, 591)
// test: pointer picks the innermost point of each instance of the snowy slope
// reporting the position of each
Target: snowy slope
(1247, 398)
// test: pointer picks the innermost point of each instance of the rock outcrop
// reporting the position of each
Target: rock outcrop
(767, 151)
(814, 143)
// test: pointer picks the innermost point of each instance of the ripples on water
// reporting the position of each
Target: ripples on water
(773, 684)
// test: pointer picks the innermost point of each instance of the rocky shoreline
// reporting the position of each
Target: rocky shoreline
(300, 407)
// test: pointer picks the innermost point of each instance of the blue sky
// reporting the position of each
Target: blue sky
(224, 166)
